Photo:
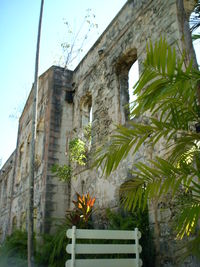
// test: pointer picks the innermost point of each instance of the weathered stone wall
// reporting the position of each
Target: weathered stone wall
(58, 122)
(6, 178)
(99, 85)
(102, 78)
(53, 120)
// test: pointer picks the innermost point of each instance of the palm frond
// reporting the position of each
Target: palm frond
(188, 220)
(167, 89)
(164, 76)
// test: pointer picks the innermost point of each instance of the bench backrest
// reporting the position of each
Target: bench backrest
(97, 249)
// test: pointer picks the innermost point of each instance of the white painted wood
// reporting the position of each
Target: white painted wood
(103, 249)
(102, 234)
(104, 263)
(137, 256)
(73, 249)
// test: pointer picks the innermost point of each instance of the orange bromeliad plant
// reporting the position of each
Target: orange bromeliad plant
(84, 205)
(82, 210)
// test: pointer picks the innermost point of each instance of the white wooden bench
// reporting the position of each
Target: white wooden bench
(96, 249)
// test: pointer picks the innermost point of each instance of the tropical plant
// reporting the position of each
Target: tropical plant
(13, 252)
(52, 251)
(121, 220)
(87, 132)
(77, 151)
(62, 172)
(83, 208)
(168, 99)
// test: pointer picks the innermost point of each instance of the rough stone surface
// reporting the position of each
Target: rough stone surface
(99, 82)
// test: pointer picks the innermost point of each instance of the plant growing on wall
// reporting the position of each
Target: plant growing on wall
(87, 132)
(62, 172)
(77, 151)
(76, 41)
(77, 154)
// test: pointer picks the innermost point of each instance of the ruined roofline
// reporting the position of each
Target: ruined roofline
(53, 67)
(103, 33)
(7, 164)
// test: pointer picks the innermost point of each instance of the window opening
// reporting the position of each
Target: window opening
(90, 121)
(14, 223)
(5, 192)
(35, 212)
(86, 113)
(133, 77)
(23, 221)
(127, 72)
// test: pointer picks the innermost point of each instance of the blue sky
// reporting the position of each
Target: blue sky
(18, 31)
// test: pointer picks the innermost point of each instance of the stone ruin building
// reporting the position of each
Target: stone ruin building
(98, 85)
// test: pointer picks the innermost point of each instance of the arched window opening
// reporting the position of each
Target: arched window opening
(28, 154)
(127, 72)
(133, 77)
(21, 166)
(86, 112)
(5, 188)
(23, 221)
(35, 212)
(14, 223)
(21, 153)
(1, 234)
(82, 186)
(91, 115)
(86, 120)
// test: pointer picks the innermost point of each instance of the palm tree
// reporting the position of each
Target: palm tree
(167, 90)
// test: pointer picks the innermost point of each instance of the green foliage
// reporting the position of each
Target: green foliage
(13, 251)
(77, 151)
(62, 172)
(167, 91)
(87, 132)
(129, 221)
(52, 251)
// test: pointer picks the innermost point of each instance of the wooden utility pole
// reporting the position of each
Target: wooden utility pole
(32, 148)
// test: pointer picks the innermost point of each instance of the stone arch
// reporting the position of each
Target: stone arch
(35, 214)
(1, 234)
(14, 223)
(122, 66)
(23, 221)
(86, 109)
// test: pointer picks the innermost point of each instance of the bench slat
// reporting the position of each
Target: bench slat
(103, 248)
(103, 234)
(105, 263)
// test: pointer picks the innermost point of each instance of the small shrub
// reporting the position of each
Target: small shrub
(52, 251)
(13, 251)
(77, 151)
(62, 172)
(130, 220)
